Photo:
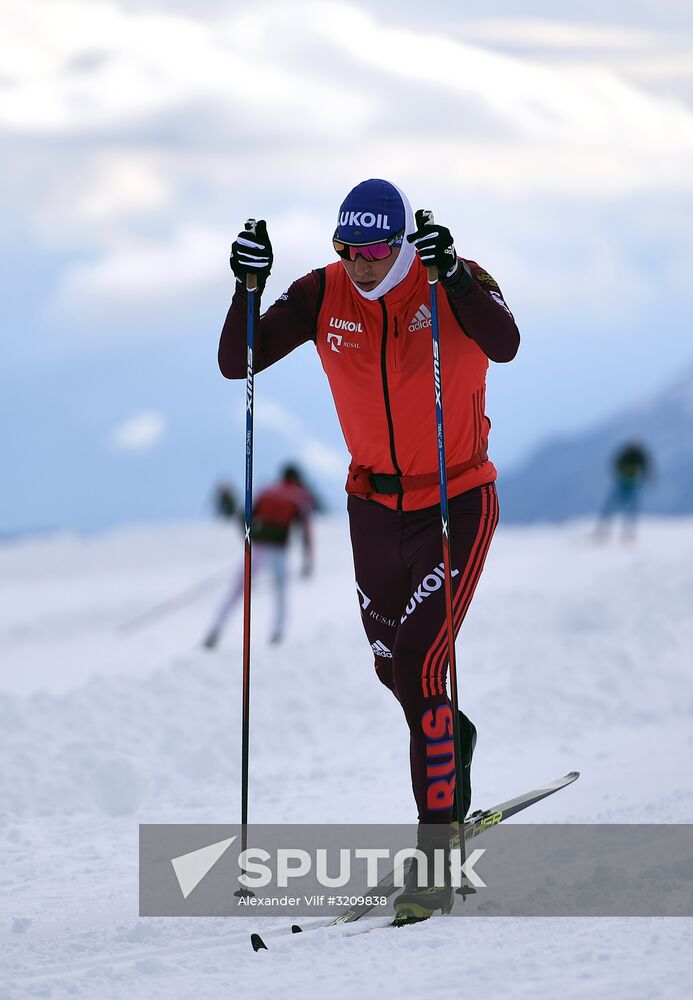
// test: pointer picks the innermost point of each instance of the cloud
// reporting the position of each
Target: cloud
(140, 433)
(118, 185)
(591, 282)
(271, 81)
(311, 451)
(144, 272)
(542, 103)
(76, 65)
(555, 34)
(139, 277)
(139, 140)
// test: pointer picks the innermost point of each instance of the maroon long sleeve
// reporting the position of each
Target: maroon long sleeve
(291, 321)
(480, 309)
(288, 323)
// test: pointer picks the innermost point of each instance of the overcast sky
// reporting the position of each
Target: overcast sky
(136, 137)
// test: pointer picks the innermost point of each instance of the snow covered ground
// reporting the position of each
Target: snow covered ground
(573, 656)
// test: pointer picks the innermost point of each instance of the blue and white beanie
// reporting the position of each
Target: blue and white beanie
(372, 211)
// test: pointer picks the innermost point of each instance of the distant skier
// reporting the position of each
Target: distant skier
(631, 468)
(368, 315)
(276, 510)
(225, 502)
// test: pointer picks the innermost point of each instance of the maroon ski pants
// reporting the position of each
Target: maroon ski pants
(398, 559)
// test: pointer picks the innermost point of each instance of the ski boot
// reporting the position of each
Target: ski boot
(419, 902)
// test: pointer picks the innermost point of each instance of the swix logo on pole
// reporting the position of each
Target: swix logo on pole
(436, 372)
(249, 383)
(430, 583)
(366, 219)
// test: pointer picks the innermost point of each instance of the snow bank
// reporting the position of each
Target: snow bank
(573, 656)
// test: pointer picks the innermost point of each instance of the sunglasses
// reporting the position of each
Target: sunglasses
(371, 251)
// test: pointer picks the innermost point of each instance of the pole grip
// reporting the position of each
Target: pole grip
(424, 217)
(250, 279)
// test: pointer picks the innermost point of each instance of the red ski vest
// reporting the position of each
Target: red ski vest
(378, 358)
(277, 508)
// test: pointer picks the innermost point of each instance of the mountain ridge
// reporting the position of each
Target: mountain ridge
(569, 476)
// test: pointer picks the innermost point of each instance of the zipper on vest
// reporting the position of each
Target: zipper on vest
(386, 394)
(396, 351)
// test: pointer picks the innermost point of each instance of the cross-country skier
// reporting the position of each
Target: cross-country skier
(368, 315)
(631, 469)
(277, 508)
(225, 502)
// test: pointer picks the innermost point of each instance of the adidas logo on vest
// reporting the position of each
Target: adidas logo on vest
(422, 319)
(380, 649)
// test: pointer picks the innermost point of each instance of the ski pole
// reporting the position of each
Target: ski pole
(175, 603)
(251, 288)
(432, 271)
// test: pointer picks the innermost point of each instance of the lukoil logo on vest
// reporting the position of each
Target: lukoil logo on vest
(345, 324)
(421, 320)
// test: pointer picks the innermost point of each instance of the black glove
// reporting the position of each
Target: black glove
(251, 253)
(434, 245)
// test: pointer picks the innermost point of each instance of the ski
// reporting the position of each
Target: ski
(476, 823)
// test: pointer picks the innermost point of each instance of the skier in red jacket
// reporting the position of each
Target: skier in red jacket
(277, 508)
(367, 313)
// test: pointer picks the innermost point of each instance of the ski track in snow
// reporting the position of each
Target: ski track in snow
(573, 656)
